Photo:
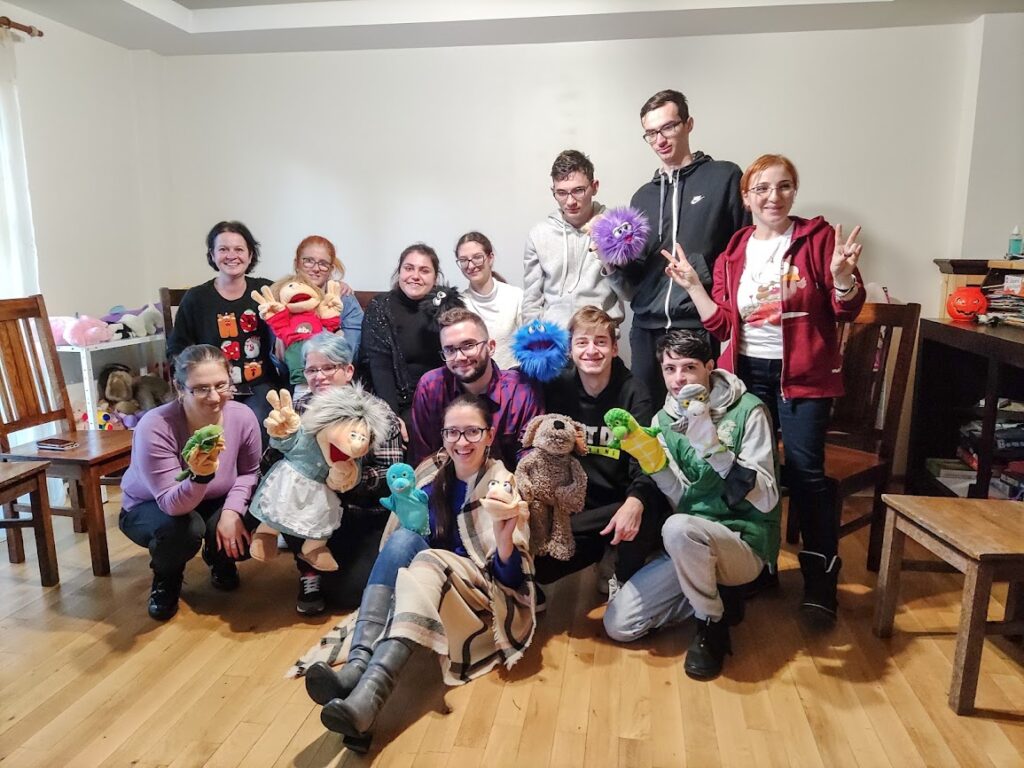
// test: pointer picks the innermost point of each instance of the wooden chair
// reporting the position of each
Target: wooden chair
(170, 298)
(16, 479)
(365, 297)
(33, 393)
(858, 453)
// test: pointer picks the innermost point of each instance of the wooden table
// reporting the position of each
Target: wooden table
(16, 479)
(981, 538)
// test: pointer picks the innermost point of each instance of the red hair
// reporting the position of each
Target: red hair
(323, 242)
(762, 164)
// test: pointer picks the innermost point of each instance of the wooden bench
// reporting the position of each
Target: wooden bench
(981, 538)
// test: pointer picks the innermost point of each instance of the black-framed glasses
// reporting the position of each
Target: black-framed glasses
(763, 190)
(466, 348)
(471, 434)
(205, 390)
(667, 131)
(310, 263)
(577, 193)
(326, 370)
(476, 260)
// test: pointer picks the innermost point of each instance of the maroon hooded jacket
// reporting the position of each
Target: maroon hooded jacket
(811, 358)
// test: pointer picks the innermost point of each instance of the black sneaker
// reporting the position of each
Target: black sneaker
(310, 601)
(224, 576)
(706, 654)
(163, 597)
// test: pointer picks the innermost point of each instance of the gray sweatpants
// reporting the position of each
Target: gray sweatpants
(699, 555)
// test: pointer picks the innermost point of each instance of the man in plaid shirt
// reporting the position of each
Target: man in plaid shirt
(466, 349)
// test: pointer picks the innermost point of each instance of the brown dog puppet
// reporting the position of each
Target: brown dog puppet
(552, 482)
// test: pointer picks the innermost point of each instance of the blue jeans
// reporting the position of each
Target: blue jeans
(804, 422)
(399, 550)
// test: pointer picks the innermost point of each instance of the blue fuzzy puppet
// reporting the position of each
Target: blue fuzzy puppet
(542, 349)
(620, 235)
(408, 502)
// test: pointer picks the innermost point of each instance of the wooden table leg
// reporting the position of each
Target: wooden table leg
(46, 553)
(970, 637)
(1014, 605)
(96, 526)
(887, 590)
(77, 501)
(15, 541)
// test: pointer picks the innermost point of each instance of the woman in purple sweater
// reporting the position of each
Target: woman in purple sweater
(173, 518)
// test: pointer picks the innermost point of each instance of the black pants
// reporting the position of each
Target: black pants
(590, 545)
(173, 540)
(643, 345)
(354, 545)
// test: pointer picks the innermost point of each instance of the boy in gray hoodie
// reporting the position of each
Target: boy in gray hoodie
(560, 272)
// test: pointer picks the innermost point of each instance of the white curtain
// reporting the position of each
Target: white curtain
(19, 273)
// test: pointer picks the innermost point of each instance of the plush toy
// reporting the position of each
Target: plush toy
(151, 391)
(542, 349)
(552, 482)
(619, 235)
(110, 422)
(132, 323)
(203, 440)
(438, 301)
(321, 455)
(297, 311)
(58, 327)
(639, 442)
(503, 502)
(85, 331)
(116, 389)
(408, 502)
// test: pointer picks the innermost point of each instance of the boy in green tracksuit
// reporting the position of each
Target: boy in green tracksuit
(720, 479)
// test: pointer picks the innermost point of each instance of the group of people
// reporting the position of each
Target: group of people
(690, 503)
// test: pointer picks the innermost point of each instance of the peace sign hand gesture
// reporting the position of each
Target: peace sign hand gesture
(844, 258)
(330, 305)
(680, 270)
(268, 305)
(283, 421)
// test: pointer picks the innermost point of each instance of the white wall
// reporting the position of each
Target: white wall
(133, 156)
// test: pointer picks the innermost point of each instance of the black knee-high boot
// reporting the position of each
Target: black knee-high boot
(322, 682)
(355, 715)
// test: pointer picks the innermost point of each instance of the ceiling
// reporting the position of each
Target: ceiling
(183, 27)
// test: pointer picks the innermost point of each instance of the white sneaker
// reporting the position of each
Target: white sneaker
(613, 587)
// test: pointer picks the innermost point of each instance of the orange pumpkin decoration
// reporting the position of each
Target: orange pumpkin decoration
(966, 303)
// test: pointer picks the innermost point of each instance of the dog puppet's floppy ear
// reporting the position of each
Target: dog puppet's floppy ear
(581, 438)
(530, 433)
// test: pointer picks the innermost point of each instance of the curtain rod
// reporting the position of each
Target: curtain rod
(31, 31)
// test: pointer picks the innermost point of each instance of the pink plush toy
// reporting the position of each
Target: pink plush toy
(85, 331)
(59, 327)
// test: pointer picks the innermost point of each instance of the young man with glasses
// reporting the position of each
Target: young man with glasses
(623, 506)
(560, 272)
(468, 368)
(692, 200)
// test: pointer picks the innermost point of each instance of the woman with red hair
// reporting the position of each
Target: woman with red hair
(317, 261)
(779, 289)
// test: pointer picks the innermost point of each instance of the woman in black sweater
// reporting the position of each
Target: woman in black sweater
(400, 341)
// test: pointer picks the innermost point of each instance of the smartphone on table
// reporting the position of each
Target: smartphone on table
(56, 444)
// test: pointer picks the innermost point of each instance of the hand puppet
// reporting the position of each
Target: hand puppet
(542, 349)
(408, 502)
(639, 442)
(619, 235)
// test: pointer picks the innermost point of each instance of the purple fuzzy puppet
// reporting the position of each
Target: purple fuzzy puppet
(542, 349)
(620, 235)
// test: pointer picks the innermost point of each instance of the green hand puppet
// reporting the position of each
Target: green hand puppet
(639, 442)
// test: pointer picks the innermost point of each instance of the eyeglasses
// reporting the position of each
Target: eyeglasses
(763, 190)
(205, 390)
(310, 263)
(577, 193)
(327, 370)
(472, 434)
(667, 131)
(476, 260)
(450, 353)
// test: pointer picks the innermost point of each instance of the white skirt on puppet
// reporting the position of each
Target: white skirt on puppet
(290, 502)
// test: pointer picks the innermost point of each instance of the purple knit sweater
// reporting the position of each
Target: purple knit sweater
(156, 459)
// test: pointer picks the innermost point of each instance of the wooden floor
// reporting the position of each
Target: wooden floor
(87, 679)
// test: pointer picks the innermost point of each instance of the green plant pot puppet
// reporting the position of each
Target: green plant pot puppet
(322, 452)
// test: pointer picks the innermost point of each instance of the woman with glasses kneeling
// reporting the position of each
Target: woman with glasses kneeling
(327, 363)
(173, 505)
(464, 590)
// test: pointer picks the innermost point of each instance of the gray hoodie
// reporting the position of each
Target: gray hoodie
(561, 273)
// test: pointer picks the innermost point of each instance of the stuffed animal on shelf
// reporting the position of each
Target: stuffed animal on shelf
(116, 389)
(408, 502)
(129, 324)
(542, 349)
(297, 311)
(552, 482)
(619, 235)
(150, 391)
(321, 455)
(639, 442)
(82, 331)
